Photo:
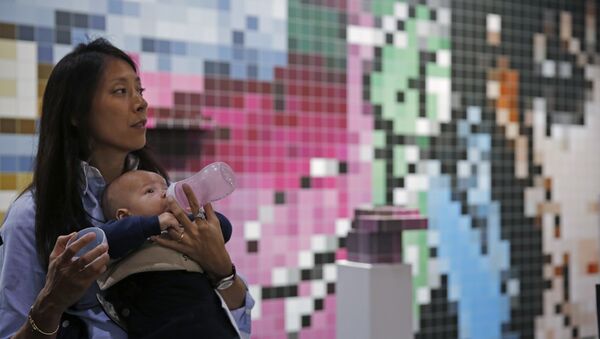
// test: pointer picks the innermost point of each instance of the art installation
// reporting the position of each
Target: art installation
(474, 124)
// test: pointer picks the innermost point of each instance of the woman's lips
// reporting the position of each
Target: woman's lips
(140, 124)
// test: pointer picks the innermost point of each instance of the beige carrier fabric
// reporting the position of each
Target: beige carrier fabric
(149, 257)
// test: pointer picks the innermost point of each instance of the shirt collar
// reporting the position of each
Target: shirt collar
(91, 176)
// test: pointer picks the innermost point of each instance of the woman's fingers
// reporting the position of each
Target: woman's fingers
(91, 256)
(98, 265)
(211, 217)
(192, 200)
(71, 278)
(62, 240)
(180, 214)
(176, 233)
(61, 244)
(78, 244)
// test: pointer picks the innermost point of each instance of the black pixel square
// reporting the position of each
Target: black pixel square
(400, 96)
(279, 198)
(305, 182)
(400, 25)
(306, 321)
(252, 246)
(389, 38)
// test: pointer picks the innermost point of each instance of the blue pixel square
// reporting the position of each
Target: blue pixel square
(25, 164)
(163, 46)
(178, 48)
(224, 5)
(115, 7)
(44, 34)
(252, 23)
(238, 70)
(238, 38)
(238, 53)
(252, 55)
(97, 22)
(164, 63)
(8, 163)
(45, 53)
(131, 8)
(474, 114)
(148, 45)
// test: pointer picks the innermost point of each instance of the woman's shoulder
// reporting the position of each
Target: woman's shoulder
(20, 214)
(18, 235)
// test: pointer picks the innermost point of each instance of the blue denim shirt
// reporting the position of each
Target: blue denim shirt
(22, 276)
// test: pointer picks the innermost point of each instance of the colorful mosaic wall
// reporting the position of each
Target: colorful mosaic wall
(482, 115)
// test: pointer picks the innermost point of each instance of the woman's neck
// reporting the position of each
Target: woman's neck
(110, 165)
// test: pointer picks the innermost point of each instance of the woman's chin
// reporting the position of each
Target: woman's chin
(139, 145)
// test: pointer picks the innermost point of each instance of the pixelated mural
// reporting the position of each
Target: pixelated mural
(480, 117)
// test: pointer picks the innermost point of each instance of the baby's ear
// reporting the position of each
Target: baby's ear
(122, 213)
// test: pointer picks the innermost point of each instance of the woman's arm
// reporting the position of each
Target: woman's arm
(30, 295)
(242, 315)
(66, 282)
(235, 294)
(45, 315)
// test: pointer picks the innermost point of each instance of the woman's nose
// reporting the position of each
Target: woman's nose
(141, 104)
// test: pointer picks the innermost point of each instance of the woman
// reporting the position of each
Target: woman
(92, 130)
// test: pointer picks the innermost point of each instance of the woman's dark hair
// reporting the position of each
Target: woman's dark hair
(64, 142)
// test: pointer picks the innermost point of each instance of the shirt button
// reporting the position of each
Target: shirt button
(125, 312)
(65, 324)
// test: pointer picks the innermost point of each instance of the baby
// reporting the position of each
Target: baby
(156, 291)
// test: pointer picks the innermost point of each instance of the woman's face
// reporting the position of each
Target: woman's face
(118, 115)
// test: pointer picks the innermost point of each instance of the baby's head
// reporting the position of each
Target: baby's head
(135, 193)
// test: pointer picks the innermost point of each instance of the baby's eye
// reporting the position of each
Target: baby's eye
(150, 191)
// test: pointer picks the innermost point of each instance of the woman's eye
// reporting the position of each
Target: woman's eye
(120, 91)
(141, 90)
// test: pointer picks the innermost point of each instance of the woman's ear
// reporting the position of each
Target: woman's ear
(122, 213)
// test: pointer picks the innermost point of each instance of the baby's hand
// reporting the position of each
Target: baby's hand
(167, 220)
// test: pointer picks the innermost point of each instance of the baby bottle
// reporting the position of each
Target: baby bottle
(213, 182)
(100, 238)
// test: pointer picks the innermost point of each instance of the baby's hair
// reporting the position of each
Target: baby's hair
(112, 199)
(107, 204)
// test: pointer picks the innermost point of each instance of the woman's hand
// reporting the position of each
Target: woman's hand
(66, 282)
(68, 279)
(201, 240)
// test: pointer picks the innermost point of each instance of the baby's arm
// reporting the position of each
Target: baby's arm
(129, 233)
(226, 227)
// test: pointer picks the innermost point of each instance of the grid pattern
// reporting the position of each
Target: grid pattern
(481, 118)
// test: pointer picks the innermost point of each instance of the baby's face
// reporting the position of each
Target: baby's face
(146, 193)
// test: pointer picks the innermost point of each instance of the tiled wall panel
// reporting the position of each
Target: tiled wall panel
(482, 115)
